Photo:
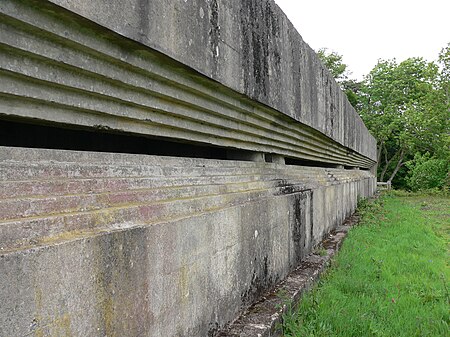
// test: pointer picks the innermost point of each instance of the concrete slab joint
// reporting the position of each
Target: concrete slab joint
(163, 164)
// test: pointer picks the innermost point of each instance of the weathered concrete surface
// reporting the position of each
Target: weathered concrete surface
(96, 244)
(57, 67)
(264, 318)
(249, 46)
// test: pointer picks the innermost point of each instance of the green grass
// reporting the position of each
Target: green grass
(389, 279)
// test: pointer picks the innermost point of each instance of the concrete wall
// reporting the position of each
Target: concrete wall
(57, 67)
(249, 46)
(125, 245)
(110, 244)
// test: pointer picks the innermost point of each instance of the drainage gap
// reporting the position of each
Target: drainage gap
(311, 163)
(56, 136)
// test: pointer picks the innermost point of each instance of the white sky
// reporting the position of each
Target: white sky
(365, 31)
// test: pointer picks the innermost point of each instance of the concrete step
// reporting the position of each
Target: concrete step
(59, 194)
(65, 171)
(49, 181)
(20, 171)
(28, 232)
(17, 208)
(24, 171)
(57, 187)
(67, 179)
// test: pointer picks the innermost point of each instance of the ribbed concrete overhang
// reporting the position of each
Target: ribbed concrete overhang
(59, 67)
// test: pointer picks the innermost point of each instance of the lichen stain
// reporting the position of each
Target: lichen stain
(64, 236)
(108, 315)
(64, 323)
(120, 261)
(38, 313)
(58, 325)
(183, 284)
(39, 333)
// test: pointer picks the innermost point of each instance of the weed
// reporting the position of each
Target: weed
(321, 251)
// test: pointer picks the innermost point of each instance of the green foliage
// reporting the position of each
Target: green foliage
(352, 97)
(333, 62)
(406, 108)
(428, 173)
(444, 63)
(390, 277)
(370, 210)
(339, 70)
(398, 97)
(352, 89)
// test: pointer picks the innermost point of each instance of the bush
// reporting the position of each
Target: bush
(428, 173)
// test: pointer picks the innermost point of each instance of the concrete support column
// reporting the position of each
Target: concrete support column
(245, 155)
(374, 169)
(275, 158)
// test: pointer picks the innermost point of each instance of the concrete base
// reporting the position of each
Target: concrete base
(264, 318)
(96, 244)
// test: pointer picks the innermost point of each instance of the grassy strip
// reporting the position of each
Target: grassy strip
(389, 279)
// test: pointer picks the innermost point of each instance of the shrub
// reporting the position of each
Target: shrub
(428, 173)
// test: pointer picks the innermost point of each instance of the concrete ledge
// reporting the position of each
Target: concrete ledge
(263, 318)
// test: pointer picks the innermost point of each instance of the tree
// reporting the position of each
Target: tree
(339, 70)
(444, 62)
(404, 107)
(427, 173)
(333, 62)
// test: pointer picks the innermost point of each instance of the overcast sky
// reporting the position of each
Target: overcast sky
(364, 31)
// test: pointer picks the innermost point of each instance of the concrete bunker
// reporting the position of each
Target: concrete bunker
(155, 177)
